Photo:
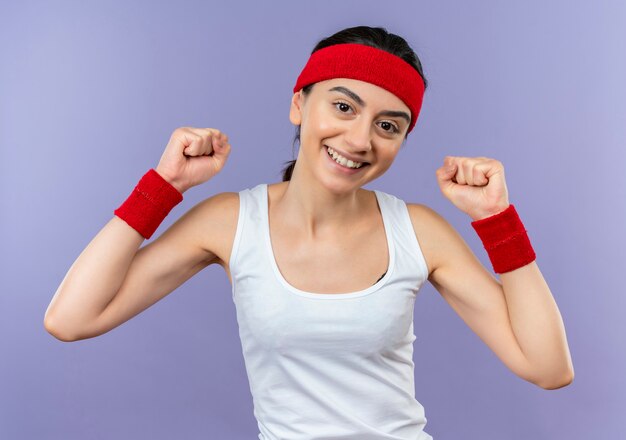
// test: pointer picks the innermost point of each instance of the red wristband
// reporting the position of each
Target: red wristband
(505, 240)
(149, 203)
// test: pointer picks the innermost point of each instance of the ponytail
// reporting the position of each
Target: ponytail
(288, 170)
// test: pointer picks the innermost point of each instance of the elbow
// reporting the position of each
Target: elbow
(554, 384)
(52, 328)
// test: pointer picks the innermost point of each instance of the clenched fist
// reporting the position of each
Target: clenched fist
(475, 185)
(193, 156)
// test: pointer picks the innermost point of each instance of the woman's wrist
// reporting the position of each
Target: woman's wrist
(149, 203)
(174, 182)
(483, 215)
(505, 239)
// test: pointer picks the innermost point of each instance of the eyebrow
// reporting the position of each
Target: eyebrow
(357, 98)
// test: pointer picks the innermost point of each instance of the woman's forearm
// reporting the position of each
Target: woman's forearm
(538, 325)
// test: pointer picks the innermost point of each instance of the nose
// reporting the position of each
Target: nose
(358, 136)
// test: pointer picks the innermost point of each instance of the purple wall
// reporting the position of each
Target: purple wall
(89, 95)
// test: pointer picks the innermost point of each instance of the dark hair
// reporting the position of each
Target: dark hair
(377, 37)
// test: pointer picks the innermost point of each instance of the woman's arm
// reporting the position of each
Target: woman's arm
(518, 319)
(113, 280)
(93, 280)
(538, 325)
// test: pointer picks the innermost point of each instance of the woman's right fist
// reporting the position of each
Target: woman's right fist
(193, 156)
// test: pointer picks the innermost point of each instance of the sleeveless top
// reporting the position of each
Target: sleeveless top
(323, 365)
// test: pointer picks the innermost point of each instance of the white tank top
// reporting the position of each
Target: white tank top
(328, 366)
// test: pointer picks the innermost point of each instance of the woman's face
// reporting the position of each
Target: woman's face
(355, 118)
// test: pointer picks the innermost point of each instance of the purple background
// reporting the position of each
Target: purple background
(90, 93)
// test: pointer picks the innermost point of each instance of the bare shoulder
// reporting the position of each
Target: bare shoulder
(436, 236)
(217, 223)
(448, 255)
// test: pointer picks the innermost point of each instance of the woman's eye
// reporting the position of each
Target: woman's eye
(393, 128)
(343, 106)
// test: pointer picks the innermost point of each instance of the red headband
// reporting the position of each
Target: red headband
(366, 63)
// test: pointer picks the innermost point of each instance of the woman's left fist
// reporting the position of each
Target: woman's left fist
(475, 185)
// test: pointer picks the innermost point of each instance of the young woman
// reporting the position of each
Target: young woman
(325, 273)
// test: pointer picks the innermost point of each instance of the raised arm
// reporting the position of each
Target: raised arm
(516, 317)
(112, 280)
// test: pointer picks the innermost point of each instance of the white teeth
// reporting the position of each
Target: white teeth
(342, 160)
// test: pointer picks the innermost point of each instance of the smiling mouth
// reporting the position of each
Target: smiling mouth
(362, 164)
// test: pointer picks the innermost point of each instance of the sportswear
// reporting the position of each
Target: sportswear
(149, 203)
(328, 366)
(506, 240)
